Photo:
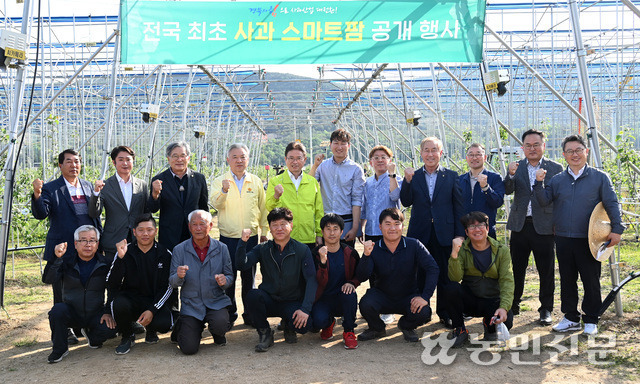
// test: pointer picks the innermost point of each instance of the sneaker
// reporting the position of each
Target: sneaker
(55, 357)
(590, 329)
(85, 333)
(265, 339)
(446, 322)
(466, 318)
(460, 336)
(410, 335)
(350, 341)
(566, 325)
(220, 340)
(388, 318)
(290, 336)
(327, 333)
(370, 334)
(151, 337)
(72, 339)
(125, 346)
(280, 326)
(545, 317)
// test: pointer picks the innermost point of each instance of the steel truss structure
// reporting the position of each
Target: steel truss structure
(555, 52)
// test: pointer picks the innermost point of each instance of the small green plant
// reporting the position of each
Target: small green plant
(26, 342)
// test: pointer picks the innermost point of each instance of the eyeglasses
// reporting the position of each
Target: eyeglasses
(432, 150)
(472, 155)
(377, 158)
(295, 158)
(529, 147)
(176, 157)
(85, 242)
(577, 151)
(476, 226)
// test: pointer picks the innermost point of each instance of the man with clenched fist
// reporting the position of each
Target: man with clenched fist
(288, 285)
(202, 267)
(530, 224)
(65, 202)
(395, 261)
(139, 278)
(83, 279)
(239, 198)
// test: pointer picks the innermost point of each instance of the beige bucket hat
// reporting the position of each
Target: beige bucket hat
(599, 229)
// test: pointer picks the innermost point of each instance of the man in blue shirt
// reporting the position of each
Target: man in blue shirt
(575, 193)
(482, 190)
(395, 261)
(341, 183)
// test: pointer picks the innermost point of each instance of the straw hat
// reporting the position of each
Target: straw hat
(599, 229)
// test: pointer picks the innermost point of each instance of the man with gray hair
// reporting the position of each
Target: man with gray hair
(202, 267)
(83, 278)
(176, 192)
(239, 198)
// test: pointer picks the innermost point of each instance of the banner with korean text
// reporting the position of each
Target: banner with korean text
(301, 32)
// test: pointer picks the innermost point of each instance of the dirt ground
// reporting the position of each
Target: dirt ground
(535, 355)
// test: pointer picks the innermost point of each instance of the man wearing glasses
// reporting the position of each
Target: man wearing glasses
(530, 224)
(300, 193)
(482, 190)
(575, 193)
(83, 277)
(177, 192)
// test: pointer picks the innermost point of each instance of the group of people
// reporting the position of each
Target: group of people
(310, 269)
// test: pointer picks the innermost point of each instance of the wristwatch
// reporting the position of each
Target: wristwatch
(393, 176)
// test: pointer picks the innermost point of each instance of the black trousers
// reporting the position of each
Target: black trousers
(261, 305)
(522, 244)
(460, 299)
(127, 308)
(189, 329)
(62, 316)
(376, 302)
(57, 286)
(248, 276)
(574, 257)
(441, 255)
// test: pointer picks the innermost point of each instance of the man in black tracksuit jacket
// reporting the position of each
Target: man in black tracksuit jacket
(83, 278)
(139, 279)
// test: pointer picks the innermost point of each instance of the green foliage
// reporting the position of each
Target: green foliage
(467, 135)
(619, 167)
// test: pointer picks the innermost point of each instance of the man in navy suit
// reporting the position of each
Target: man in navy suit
(482, 190)
(435, 195)
(65, 201)
(177, 192)
(123, 197)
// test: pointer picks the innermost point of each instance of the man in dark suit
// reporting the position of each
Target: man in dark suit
(65, 201)
(177, 192)
(482, 190)
(435, 195)
(530, 224)
(123, 198)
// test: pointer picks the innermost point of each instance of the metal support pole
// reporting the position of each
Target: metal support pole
(5, 223)
(436, 97)
(484, 68)
(592, 134)
(109, 123)
(185, 102)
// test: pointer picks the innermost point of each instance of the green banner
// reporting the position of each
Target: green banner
(297, 32)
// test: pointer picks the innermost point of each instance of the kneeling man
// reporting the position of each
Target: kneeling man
(202, 267)
(288, 280)
(139, 278)
(395, 261)
(83, 277)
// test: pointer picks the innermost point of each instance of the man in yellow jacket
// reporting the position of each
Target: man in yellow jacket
(300, 193)
(239, 198)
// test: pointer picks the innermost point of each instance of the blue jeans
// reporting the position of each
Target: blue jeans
(327, 308)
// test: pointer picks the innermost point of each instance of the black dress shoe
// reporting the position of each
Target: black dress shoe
(545, 317)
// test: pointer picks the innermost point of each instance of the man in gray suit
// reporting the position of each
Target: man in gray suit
(123, 198)
(530, 224)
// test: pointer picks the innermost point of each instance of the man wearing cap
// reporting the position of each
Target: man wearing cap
(575, 193)
(530, 224)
